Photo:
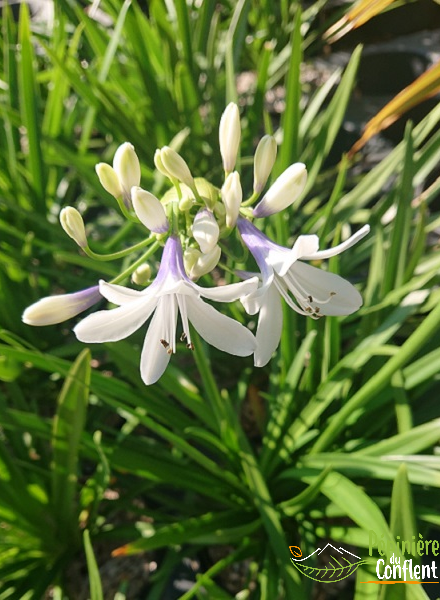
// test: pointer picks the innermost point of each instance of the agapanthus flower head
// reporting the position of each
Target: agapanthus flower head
(198, 217)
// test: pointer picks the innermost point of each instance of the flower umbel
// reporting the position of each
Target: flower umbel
(196, 220)
(172, 292)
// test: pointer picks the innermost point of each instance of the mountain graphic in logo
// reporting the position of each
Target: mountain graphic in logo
(340, 564)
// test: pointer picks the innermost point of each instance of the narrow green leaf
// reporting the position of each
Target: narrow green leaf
(28, 108)
(67, 430)
(92, 568)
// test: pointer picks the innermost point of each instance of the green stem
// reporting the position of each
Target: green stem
(121, 253)
(137, 263)
(250, 200)
(125, 212)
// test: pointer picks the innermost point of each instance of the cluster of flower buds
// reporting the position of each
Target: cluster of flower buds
(192, 222)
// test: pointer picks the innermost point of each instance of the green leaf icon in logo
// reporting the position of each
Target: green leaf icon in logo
(340, 564)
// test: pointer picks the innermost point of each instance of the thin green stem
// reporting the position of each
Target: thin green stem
(121, 253)
(125, 212)
(250, 200)
(137, 263)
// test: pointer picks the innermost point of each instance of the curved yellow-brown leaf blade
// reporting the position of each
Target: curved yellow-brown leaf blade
(425, 86)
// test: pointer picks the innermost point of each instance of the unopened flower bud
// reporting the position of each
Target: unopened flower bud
(73, 224)
(232, 195)
(108, 179)
(56, 309)
(205, 263)
(159, 164)
(281, 194)
(176, 166)
(127, 167)
(229, 136)
(207, 192)
(205, 230)
(149, 210)
(264, 160)
(142, 275)
(190, 257)
(186, 202)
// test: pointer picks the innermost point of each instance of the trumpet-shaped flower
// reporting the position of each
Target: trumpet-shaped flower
(56, 309)
(172, 292)
(307, 290)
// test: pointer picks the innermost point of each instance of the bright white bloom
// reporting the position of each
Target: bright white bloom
(229, 136)
(125, 174)
(56, 309)
(73, 224)
(205, 230)
(307, 290)
(175, 166)
(198, 264)
(170, 293)
(149, 210)
(264, 160)
(281, 194)
(232, 195)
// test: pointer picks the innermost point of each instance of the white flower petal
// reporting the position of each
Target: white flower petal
(220, 331)
(155, 357)
(330, 293)
(149, 210)
(282, 260)
(228, 293)
(118, 294)
(253, 302)
(323, 254)
(270, 324)
(115, 324)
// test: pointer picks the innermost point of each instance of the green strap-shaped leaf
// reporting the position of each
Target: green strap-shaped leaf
(67, 429)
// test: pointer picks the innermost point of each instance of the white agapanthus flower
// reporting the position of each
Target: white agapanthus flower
(171, 293)
(284, 274)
